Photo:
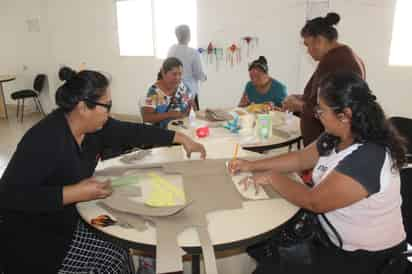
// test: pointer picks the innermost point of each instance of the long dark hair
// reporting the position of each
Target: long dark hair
(169, 64)
(323, 26)
(347, 90)
(78, 86)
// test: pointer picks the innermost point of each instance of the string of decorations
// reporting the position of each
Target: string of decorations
(231, 54)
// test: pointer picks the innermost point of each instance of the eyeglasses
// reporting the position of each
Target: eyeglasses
(108, 106)
(319, 112)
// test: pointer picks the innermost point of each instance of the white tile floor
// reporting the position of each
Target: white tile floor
(11, 132)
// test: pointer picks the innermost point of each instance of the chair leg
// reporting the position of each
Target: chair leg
(18, 108)
(40, 106)
(36, 104)
(22, 111)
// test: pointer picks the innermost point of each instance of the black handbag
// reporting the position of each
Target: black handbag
(296, 241)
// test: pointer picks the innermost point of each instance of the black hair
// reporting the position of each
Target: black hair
(323, 26)
(78, 86)
(169, 64)
(342, 90)
(260, 63)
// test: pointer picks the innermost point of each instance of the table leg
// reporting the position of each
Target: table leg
(195, 264)
(3, 109)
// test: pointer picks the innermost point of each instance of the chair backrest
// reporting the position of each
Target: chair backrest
(39, 82)
(404, 127)
(406, 192)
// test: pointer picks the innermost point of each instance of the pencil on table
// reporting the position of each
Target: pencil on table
(236, 151)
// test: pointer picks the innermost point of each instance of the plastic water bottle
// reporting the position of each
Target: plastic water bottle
(288, 117)
(192, 118)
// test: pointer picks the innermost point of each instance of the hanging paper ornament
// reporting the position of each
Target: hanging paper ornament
(233, 55)
(250, 42)
(218, 56)
(210, 52)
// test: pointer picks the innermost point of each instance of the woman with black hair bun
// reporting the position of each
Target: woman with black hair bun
(356, 184)
(262, 88)
(52, 170)
(320, 37)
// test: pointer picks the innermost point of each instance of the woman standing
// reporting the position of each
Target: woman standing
(321, 40)
(193, 71)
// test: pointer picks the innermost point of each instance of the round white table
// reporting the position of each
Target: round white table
(3, 108)
(228, 229)
(285, 132)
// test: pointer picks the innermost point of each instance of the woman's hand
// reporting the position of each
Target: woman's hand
(189, 145)
(293, 103)
(257, 181)
(244, 101)
(94, 189)
(186, 112)
(192, 146)
(236, 166)
(87, 190)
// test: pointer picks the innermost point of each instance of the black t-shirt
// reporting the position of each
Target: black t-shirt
(35, 228)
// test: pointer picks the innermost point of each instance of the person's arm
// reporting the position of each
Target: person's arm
(281, 94)
(197, 68)
(356, 177)
(335, 191)
(293, 103)
(244, 101)
(86, 190)
(189, 145)
(288, 162)
(118, 134)
(151, 116)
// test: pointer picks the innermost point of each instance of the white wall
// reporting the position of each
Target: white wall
(85, 31)
(23, 53)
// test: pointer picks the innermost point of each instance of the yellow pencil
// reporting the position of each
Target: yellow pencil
(235, 153)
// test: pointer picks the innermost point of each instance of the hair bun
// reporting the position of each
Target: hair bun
(262, 60)
(66, 73)
(332, 18)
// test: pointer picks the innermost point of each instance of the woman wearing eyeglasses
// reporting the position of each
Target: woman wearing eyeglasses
(356, 164)
(321, 40)
(52, 170)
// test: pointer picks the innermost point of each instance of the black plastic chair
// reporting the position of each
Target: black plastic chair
(34, 93)
(404, 127)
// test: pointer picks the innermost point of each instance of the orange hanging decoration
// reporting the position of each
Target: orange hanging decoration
(251, 43)
(210, 52)
(233, 55)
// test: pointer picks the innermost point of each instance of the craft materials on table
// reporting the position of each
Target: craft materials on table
(251, 193)
(264, 126)
(164, 193)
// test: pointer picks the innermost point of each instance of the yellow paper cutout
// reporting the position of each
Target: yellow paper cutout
(164, 193)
